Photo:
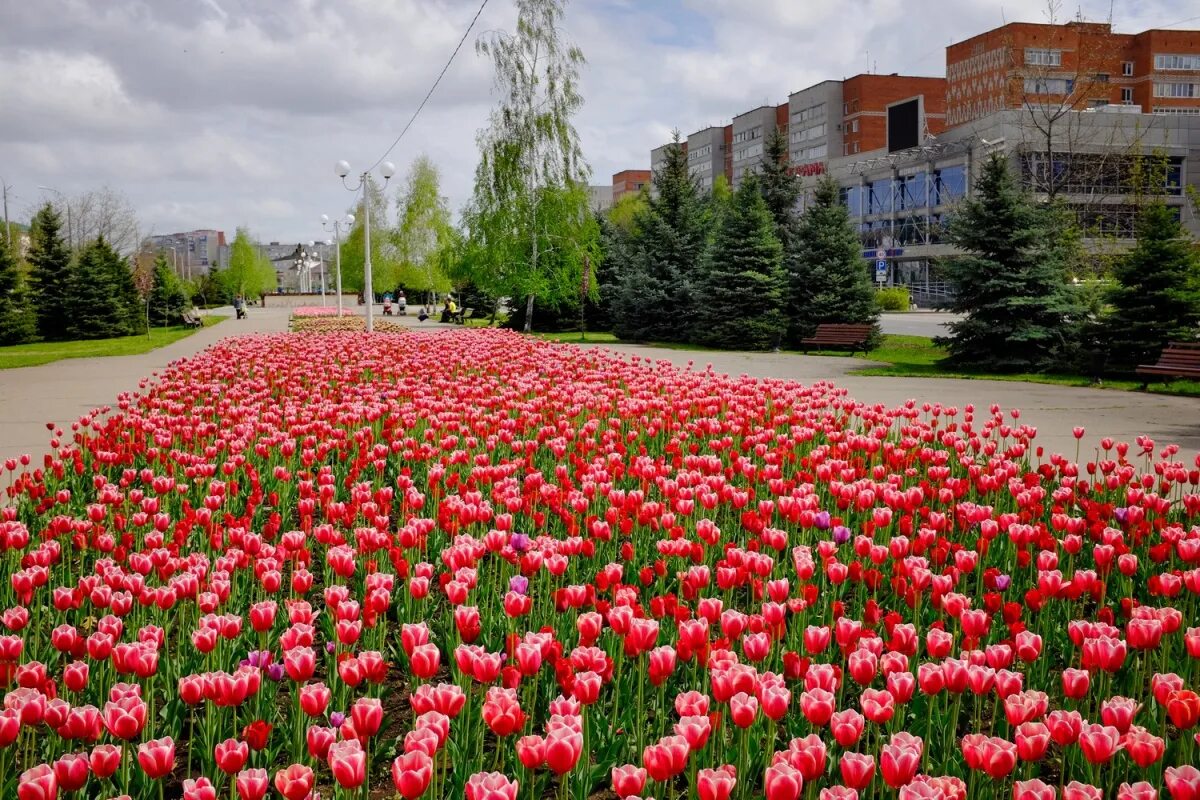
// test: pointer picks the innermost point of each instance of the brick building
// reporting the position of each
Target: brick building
(1075, 66)
(630, 181)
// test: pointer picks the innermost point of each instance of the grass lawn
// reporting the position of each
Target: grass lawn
(917, 356)
(31, 355)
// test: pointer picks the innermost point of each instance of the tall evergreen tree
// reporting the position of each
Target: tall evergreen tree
(742, 270)
(1010, 281)
(829, 281)
(779, 187)
(17, 321)
(49, 273)
(654, 295)
(103, 298)
(1157, 298)
(168, 300)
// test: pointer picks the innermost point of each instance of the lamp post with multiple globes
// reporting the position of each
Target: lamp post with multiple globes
(387, 169)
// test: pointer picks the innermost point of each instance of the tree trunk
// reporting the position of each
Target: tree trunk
(529, 314)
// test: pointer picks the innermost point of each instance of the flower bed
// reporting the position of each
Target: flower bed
(315, 311)
(326, 324)
(490, 567)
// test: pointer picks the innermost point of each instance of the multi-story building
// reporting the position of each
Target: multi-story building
(1071, 66)
(630, 181)
(891, 111)
(600, 198)
(706, 155)
(750, 133)
(900, 200)
(659, 155)
(814, 127)
(191, 253)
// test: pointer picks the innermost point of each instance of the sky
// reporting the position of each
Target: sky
(224, 113)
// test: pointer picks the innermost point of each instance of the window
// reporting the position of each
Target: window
(881, 197)
(746, 136)
(752, 151)
(805, 134)
(1127, 68)
(814, 153)
(1175, 110)
(1100, 77)
(1097, 103)
(1176, 90)
(700, 152)
(1127, 95)
(1039, 57)
(854, 126)
(1177, 63)
(845, 148)
(810, 113)
(949, 184)
(1049, 86)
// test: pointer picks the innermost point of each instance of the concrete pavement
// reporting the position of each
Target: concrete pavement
(917, 323)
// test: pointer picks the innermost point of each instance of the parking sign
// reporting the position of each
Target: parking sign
(881, 271)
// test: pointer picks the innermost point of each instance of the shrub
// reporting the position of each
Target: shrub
(895, 298)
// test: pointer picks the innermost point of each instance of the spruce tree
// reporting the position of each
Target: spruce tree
(1010, 281)
(103, 297)
(17, 322)
(654, 295)
(829, 280)
(779, 187)
(1157, 297)
(49, 274)
(168, 300)
(742, 279)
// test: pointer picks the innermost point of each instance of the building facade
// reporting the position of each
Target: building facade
(600, 197)
(630, 181)
(706, 155)
(750, 132)
(192, 254)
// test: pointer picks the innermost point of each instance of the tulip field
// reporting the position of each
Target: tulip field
(475, 565)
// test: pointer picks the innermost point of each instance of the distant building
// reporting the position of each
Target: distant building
(192, 254)
(630, 181)
(600, 198)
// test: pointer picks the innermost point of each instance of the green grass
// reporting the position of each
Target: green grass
(918, 357)
(31, 355)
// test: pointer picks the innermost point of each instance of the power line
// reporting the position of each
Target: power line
(429, 94)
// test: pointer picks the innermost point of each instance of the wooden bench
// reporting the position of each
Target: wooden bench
(838, 334)
(463, 315)
(1177, 360)
(191, 320)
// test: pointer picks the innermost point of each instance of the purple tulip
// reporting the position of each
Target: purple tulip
(336, 719)
(841, 534)
(519, 542)
(822, 520)
(275, 672)
(1002, 582)
(518, 584)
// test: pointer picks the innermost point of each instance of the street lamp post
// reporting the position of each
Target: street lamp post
(387, 170)
(337, 224)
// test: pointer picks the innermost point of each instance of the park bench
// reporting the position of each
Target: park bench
(463, 315)
(837, 334)
(1177, 360)
(191, 320)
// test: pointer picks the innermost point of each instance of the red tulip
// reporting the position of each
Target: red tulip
(1143, 747)
(71, 771)
(104, 760)
(38, 783)
(563, 749)
(199, 789)
(295, 782)
(1099, 742)
(157, 757)
(1032, 790)
(1032, 738)
(348, 763)
(1082, 791)
(251, 784)
(847, 727)
(1183, 783)
(743, 709)
(857, 770)
(411, 774)
(898, 764)
(425, 659)
(628, 780)
(782, 782)
(715, 784)
(490, 786)
(231, 755)
(1137, 791)
(1075, 683)
(666, 758)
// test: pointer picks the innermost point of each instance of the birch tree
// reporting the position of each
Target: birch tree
(423, 230)
(530, 186)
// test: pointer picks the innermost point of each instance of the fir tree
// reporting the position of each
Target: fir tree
(743, 270)
(17, 321)
(1010, 281)
(655, 293)
(49, 274)
(829, 280)
(779, 187)
(168, 300)
(1157, 298)
(103, 298)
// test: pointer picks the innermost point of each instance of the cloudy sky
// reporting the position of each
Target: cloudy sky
(219, 113)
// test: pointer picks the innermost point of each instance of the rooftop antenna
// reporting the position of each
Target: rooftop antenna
(868, 51)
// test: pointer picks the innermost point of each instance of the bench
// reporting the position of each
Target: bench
(462, 316)
(191, 320)
(1177, 360)
(838, 334)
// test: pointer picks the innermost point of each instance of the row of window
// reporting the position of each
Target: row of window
(805, 134)
(1175, 110)
(1049, 86)
(1102, 175)
(1182, 63)
(748, 152)
(700, 152)
(747, 136)
(815, 153)
(810, 113)
(1177, 90)
(1042, 57)
(704, 166)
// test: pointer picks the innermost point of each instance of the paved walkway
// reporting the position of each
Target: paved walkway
(62, 391)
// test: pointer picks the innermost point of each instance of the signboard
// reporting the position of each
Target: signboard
(881, 271)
